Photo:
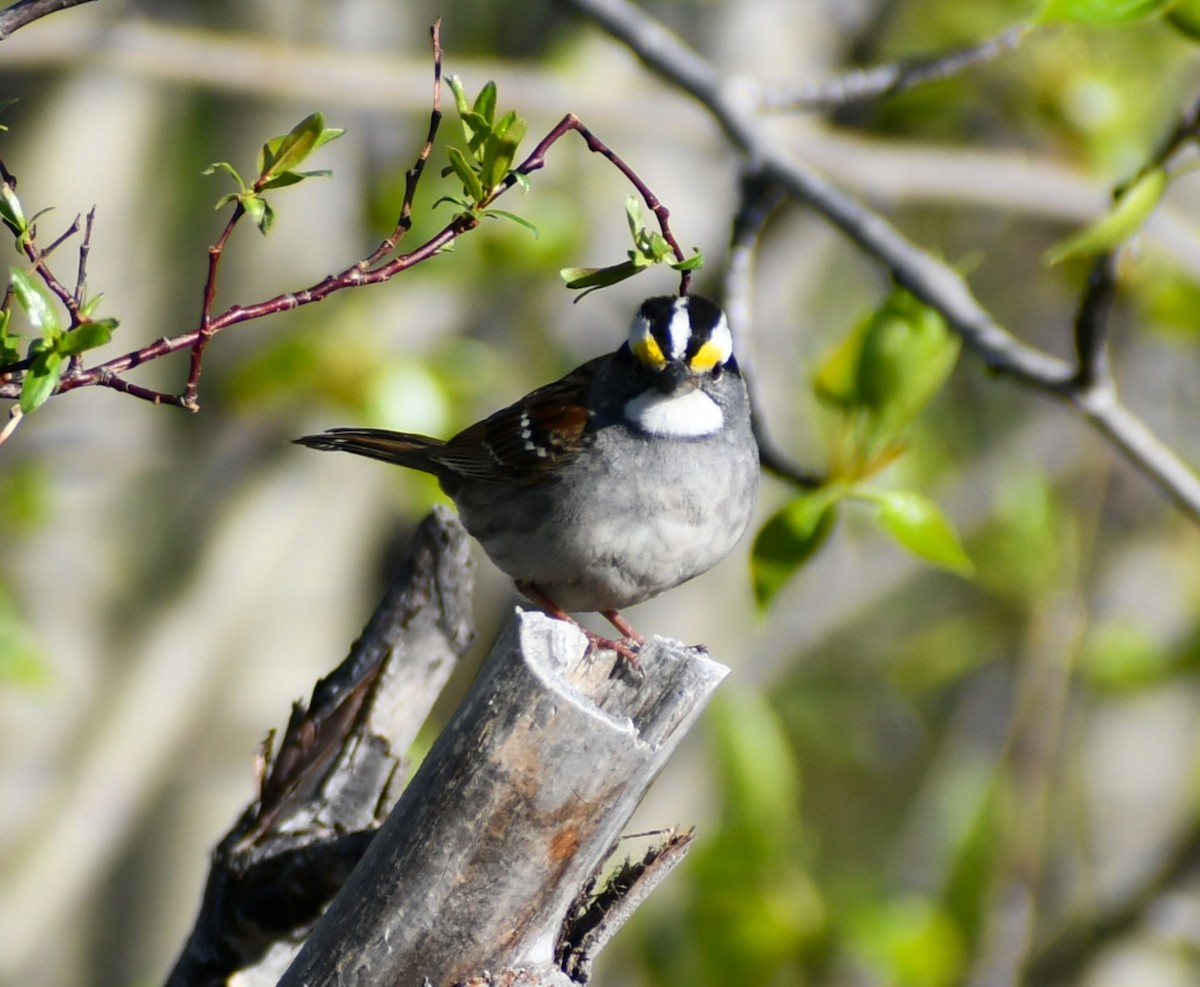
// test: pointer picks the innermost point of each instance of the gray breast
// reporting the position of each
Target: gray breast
(631, 518)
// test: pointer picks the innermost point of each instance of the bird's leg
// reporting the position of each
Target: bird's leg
(626, 647)
(623, 625)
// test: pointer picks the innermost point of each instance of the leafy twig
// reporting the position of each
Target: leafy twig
(537, 159)
(382, 264)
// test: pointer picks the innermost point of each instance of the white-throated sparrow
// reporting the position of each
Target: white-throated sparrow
(634, 473)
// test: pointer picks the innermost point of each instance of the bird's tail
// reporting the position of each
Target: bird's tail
(404, 448)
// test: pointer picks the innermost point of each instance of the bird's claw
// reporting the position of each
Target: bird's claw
(625, 648)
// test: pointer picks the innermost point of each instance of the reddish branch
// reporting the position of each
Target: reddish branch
(381, 265)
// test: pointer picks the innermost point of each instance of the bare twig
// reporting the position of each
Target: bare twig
(27, 11)
(885, 80)
(931, 280)
(38, 257)
(10, 426)
(412, 177)
(85, 249)
(205, 332)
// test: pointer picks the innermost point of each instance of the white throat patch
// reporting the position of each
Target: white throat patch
(690, 415)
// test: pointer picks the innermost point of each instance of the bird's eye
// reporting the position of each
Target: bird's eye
(718, 371)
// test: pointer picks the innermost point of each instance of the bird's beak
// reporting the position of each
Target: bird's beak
(676, 378)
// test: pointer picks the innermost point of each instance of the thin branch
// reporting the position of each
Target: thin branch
(412, 177)
(372, 269)
(537, 159)
(1064, 957)
(205, 333)
(85, 249)
(10, 426)
(27, 11)
(1091, 325)
(932, 281)
(37, 257)
(886, 80)
(759, 200)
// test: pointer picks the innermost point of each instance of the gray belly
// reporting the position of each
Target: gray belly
(605, 535)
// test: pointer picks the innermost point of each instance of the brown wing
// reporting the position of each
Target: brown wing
(529, 441)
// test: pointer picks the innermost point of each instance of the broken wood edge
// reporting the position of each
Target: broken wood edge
(517, 806)
(324, 793)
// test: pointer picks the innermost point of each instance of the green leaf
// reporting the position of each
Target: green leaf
(88, 308)
(791, 536)
(500, 148)
(286, 152)
(519, 220)
(454, 200)
(1100, 11)
(37, 304)
(918, 524)
(906, 354)
(485, 102)
(286, 178)
(1185, 18)
(460, 96)
(650, 247)
(598, 277)
(1132, 208)
(633, 216)
(11, 212)
(693, 263)
(87, 336)
(477, 130)
(891, 364)
(9, 352)
(836, 379)
(41, 380)
(466, 174)
(229, 169)
(259, 210)
(476, 120)
(327, 135)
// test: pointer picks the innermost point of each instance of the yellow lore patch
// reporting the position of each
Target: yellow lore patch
(648, 352)
(707, 357)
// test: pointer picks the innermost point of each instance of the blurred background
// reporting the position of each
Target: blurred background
(911, 778)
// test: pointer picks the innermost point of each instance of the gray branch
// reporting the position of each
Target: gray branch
(15, 17)
(886, 80)
(734, 103)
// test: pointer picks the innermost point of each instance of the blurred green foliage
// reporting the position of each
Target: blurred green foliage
(863, 791)
(875, 381)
